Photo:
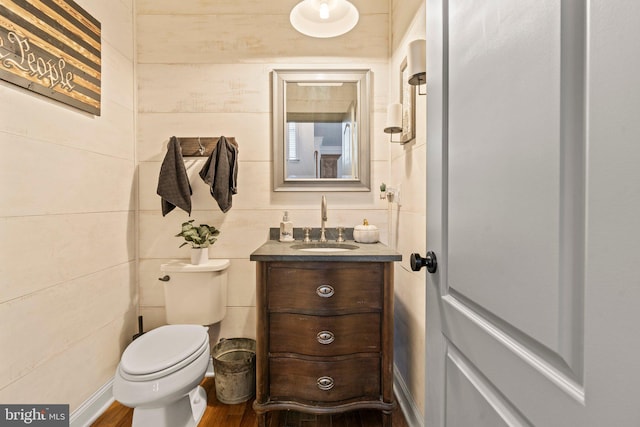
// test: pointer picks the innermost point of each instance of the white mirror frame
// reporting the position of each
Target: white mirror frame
(362, 78)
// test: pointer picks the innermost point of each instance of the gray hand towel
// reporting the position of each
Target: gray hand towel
(220, 172)
(173, 183)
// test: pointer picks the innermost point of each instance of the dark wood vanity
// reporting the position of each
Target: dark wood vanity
(324, 334)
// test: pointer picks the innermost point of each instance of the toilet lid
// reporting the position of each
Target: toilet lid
(163, 347)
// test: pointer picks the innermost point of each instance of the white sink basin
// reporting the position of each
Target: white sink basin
(324, 247)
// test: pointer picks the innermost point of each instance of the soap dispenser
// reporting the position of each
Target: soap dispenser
(286, 229)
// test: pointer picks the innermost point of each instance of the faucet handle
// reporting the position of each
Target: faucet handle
(340, 238)
(307, 236)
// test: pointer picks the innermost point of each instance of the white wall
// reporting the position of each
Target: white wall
(68, 292)
(204, 70)
(408, 220)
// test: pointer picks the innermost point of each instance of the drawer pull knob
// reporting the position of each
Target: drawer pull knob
(325, 291)
(325, 383)
(325, 337)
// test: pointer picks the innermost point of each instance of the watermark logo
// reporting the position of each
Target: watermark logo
(34, 415)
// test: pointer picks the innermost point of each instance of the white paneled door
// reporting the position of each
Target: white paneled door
(533, 211)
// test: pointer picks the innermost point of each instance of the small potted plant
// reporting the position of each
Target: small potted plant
(200, 238)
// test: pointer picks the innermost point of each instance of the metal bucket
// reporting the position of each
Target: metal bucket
(234, 367)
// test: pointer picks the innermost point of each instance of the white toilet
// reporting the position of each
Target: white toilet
(160, 372)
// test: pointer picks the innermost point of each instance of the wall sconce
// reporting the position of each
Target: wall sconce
(394, 120)
(324, 18)
(417, 64)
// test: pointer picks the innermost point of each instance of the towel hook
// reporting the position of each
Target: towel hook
(201, 150)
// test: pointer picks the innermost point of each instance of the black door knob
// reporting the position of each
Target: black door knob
(430, 261)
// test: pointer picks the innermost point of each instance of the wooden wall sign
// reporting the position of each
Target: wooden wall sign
(52, 47)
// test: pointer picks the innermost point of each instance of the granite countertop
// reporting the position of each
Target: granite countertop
(274, 250)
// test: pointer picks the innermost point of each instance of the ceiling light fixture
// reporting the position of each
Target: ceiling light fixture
(324, 18)
(324, 11)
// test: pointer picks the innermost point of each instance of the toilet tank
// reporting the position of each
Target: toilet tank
(195, 294)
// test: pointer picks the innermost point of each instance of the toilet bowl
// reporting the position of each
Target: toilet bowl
(159, 373)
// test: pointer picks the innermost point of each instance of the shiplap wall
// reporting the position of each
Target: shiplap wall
(68, 292)
(408, 172)
(204, 70)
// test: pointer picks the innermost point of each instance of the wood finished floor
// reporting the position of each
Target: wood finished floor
(241, 415)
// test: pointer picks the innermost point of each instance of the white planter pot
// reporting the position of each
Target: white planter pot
(199, 255)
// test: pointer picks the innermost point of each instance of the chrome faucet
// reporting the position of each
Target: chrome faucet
(323, 218)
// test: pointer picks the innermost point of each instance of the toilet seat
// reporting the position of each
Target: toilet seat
(163, 351)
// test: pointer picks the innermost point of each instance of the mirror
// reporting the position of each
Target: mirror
(321, 130)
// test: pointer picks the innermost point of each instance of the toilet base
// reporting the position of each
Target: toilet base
(184, 412)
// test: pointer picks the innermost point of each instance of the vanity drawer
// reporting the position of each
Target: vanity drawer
(341, 288)
(324, 381)
(324, 335)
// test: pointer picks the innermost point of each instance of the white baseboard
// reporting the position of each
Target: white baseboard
(93, 407)
(405, 400)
